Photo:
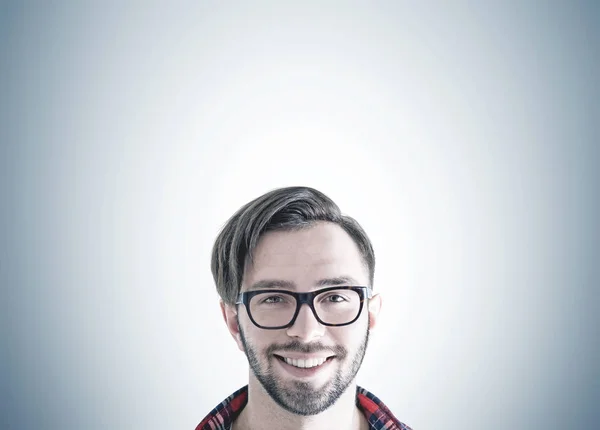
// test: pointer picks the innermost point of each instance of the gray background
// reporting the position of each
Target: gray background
(462, 135)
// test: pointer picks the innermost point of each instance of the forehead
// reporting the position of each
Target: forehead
(321, 251)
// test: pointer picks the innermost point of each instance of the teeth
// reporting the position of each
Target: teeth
(311, 362)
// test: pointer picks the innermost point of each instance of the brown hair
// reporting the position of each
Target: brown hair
(289, 208)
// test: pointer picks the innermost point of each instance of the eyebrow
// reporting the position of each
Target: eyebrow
(340, 280)
(266, 284)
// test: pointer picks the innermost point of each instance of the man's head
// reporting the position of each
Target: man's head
(295, 277)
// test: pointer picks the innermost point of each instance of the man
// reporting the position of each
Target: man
(295, 278)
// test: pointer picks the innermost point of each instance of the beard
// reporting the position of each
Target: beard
(299, 397)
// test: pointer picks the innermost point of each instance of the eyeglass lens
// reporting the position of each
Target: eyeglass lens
(275, 309)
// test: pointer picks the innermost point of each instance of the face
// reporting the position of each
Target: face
(305, 368)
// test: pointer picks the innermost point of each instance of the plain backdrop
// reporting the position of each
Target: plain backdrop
(463, 136)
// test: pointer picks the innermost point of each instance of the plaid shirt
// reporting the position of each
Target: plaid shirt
(378, 415)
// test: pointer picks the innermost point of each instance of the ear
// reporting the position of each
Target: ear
(374, 305)
(230, 316)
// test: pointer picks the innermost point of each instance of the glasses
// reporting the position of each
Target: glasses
(331, 306)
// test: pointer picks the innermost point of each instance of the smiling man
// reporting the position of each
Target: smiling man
(295, 277)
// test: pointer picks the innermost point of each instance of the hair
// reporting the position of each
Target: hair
(290, 208)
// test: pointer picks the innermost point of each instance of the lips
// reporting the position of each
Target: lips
(304, 367)
(311, 362)
(304, 363)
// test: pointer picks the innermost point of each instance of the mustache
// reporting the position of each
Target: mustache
(306, 348)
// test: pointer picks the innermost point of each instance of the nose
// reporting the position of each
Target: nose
(306, 327)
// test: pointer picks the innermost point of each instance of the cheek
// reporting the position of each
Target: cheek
(353, 336)
(257, 339)
(349, 337)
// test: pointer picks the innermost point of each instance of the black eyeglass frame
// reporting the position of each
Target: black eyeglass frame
(304, 298)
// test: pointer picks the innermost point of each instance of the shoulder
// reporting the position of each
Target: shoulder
(223, 415)
(376, 412)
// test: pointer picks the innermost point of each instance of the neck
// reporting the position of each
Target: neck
(262, 412)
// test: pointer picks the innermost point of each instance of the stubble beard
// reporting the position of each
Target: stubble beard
(302, 398)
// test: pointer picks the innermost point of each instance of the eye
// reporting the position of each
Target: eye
(273, 300)
(336, 298)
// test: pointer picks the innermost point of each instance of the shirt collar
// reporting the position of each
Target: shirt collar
(376, 412)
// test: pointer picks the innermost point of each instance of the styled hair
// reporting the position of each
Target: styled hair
(290, 208)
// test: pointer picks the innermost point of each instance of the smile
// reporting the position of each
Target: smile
(305, 367)
(311, 362)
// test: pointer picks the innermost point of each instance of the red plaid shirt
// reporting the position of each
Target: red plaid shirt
(378, 415)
